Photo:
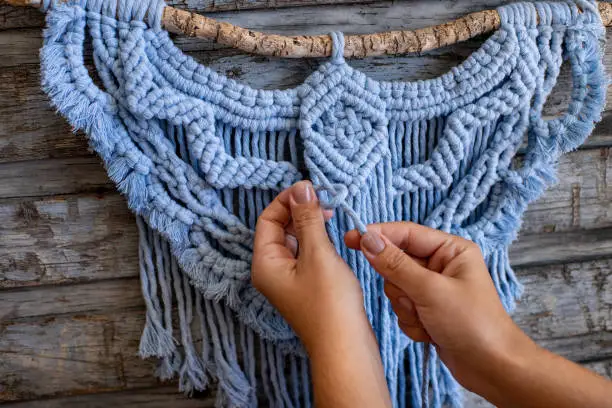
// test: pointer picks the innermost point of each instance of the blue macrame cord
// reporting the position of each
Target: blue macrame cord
(198, 156)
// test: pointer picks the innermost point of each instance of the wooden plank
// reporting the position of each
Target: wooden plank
(86, 341)
(162, 397)
(579, 200)
(20, 46)
(82, 237)
(94, 297)
(82, 353)
(569, 246)
(51, 177)
(20, 17)
(29, 17)
(354, 18)
(567, 300)
(560, 302)
(30, 127)
(66, 239)
(158, 397)
(207, 6)
(24, 17)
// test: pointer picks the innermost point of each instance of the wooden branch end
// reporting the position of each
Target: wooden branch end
(605, 11)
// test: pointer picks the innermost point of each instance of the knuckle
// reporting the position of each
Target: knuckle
(394, 261)
(460, 243)
(450, 244)
(305, 219)
(474, 247)
(457, 246)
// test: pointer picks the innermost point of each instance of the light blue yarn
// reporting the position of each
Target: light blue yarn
(198, 156)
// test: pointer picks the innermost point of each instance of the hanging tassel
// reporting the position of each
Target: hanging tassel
(170, 364)
(248, 361)
(156, 340)
(234, 388)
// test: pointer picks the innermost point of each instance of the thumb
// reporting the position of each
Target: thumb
(307, 217)
(397, 267)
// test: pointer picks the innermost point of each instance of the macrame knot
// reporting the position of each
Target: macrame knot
(333, 195)
(199, 156)
(337, 55)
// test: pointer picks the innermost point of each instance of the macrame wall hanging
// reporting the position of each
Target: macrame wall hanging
(198, 157)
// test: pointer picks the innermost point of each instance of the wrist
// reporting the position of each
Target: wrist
(505, 364)
(340, 336)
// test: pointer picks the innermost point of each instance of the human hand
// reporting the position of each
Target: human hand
(297, 268)
(441, 292)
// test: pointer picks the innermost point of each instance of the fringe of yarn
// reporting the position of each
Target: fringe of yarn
(199, 173)
(200, 342)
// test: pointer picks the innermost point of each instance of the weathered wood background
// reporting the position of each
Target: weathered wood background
(70, 305)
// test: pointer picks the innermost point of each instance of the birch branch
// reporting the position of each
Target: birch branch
(356, 46)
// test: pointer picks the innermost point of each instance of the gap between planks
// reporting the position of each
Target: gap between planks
(25, 17)
(562, 310)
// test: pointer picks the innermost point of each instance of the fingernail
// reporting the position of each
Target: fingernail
(302, 193)
(405, 303)
(373, 243)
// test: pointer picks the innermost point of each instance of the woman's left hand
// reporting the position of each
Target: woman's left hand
(298, 269)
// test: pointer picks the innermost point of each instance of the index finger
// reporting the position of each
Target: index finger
(416, 240)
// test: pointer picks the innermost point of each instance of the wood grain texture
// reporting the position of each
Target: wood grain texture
(206, 6)
(98, 296)
(424, 13)
(395, 42)
(157, 397)
(75, 354)
(66, 239)
(351, 19)
(60, 176)
(26, 17)
(567, 246)
(20, 17)
(191, 24)
(69, 235)
(70, 307)
(81, 238)
(87, 334)
(356, 19)
(567, 300)
(580, 199)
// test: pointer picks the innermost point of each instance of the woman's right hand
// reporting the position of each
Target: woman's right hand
(441, 291)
